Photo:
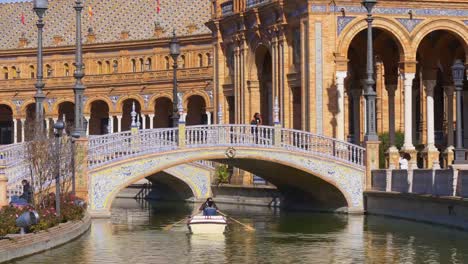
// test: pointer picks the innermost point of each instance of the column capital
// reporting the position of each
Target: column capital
(429, 85)
(340, 76)
(151, 115)
(391, 88)
(449, 89)
(408, 78)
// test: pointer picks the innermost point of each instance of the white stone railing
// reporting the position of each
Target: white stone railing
(109, 148)
(15, 167)
(113, 147)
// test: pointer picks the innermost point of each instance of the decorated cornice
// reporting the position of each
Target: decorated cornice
(395, 10)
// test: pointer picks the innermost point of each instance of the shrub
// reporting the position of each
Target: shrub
(222, 174)
(385, 144)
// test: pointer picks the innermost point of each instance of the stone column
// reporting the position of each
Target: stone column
(431, 154)
(47, 125)
(143, 121)
(356, 95)
(236, 85)
(15, 131)
(151, 121)
(110, 125)
(449, 151)
(3, 187)
(86, 122)
(340, 77)
(81, 168)
(22, 122)
(408, 146)
(119, 123)
(392, 153)
(208, 117)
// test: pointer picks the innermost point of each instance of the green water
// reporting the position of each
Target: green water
(134, 235)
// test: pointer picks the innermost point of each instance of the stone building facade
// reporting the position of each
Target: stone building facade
(126, 57)
(310, 57)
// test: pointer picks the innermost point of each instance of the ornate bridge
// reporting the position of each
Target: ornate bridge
(115, 161)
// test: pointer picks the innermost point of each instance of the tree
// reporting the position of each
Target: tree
(222, 174)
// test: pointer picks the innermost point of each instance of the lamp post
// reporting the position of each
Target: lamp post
(58, 126)
(80, 130)
(175, 52)
(458, 70)
(40, 7)
(369, 93)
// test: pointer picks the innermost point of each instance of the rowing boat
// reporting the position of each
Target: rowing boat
(201, 224)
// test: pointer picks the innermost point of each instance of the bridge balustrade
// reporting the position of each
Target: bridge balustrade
(229, 135)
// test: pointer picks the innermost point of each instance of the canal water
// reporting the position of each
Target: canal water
(135, 234)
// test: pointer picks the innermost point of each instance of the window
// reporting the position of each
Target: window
(167, 62)
(133, 65)
(32, 72)
(150, 66)
(182, 61)
(200, 60)
(108, 67)
(142, 65)
(66, 69)
(48, 72)
(5, 73)
(296, 46)
(208, 59)
(99, 67)
(14, 72)
(116, 66)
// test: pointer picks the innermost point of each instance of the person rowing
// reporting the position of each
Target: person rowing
(209, 207)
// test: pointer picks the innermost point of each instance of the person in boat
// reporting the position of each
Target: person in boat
(209, 207)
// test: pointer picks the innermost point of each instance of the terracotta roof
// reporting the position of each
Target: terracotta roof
(110, 18)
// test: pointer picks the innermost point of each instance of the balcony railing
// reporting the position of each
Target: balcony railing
(253, 3)
(115, 78)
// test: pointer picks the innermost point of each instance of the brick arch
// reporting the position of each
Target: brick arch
(107, 181)
(11, 106)
(152, 101)
(388, 25)
(26, 103)
(202, 94)
(90, 101)
(119, 104)
(456, 28)
(55, 108)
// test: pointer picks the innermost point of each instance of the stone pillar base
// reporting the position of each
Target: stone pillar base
(372, 162)
(81, 168)
(431, 157)
(3, 190)
(412, 163)
(393, 157)
(449, 156)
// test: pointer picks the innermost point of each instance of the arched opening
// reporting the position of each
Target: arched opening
(127, 111)
(182, 61)
(14, 72)
(5, 73)
(108, 67)
(134, 65)
(264, 75)
(167, 62)
(99, 67)
(67, 115)
(162, 112)
(48, 71)
(6, 125)
(149, 63)
(387, 52)
(28, 125)
(66, 69)
(32, 72)
(196, 110)
(200, 60)
(142, 65)
(99, 121)
(436, 54)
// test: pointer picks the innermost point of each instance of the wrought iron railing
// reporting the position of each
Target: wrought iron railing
(253, 3)
(227, 8)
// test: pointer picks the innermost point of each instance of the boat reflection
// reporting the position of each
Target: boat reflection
(207, 248)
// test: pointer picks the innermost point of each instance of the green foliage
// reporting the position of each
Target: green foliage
(385, 145)
(221, 174)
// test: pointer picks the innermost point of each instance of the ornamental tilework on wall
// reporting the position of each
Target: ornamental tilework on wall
(343, 22)
(109, 19)
(409, 24)
(105, 183)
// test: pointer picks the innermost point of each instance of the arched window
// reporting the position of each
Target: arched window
(167, 62)
(115, 65)
(208, 59)
(13, 72)
(108, 67)
(133, 65)
(66, 69)
(32, 72)
(142, 65)
(149, 62)
(99, 67)
(182, 61)
(48, 71)
(200, 60)
(5, 73)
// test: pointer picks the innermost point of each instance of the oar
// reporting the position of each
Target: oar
(247, 227)
(168, 227)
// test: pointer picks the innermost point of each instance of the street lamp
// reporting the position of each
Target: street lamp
(458, 71)
(40, 7)
(58, 126)
(174, 47)
(369, 92)
(79, 88)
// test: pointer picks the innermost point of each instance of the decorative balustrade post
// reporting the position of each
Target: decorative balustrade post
(277, 123)
(81, 167)
(181, 126)
(3, 185)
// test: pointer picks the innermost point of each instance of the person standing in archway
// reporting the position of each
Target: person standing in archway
(256, 121)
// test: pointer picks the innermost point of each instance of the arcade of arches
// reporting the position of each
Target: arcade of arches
(281, 59)
(14, 129)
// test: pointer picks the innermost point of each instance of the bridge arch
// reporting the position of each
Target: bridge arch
(107, 181)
